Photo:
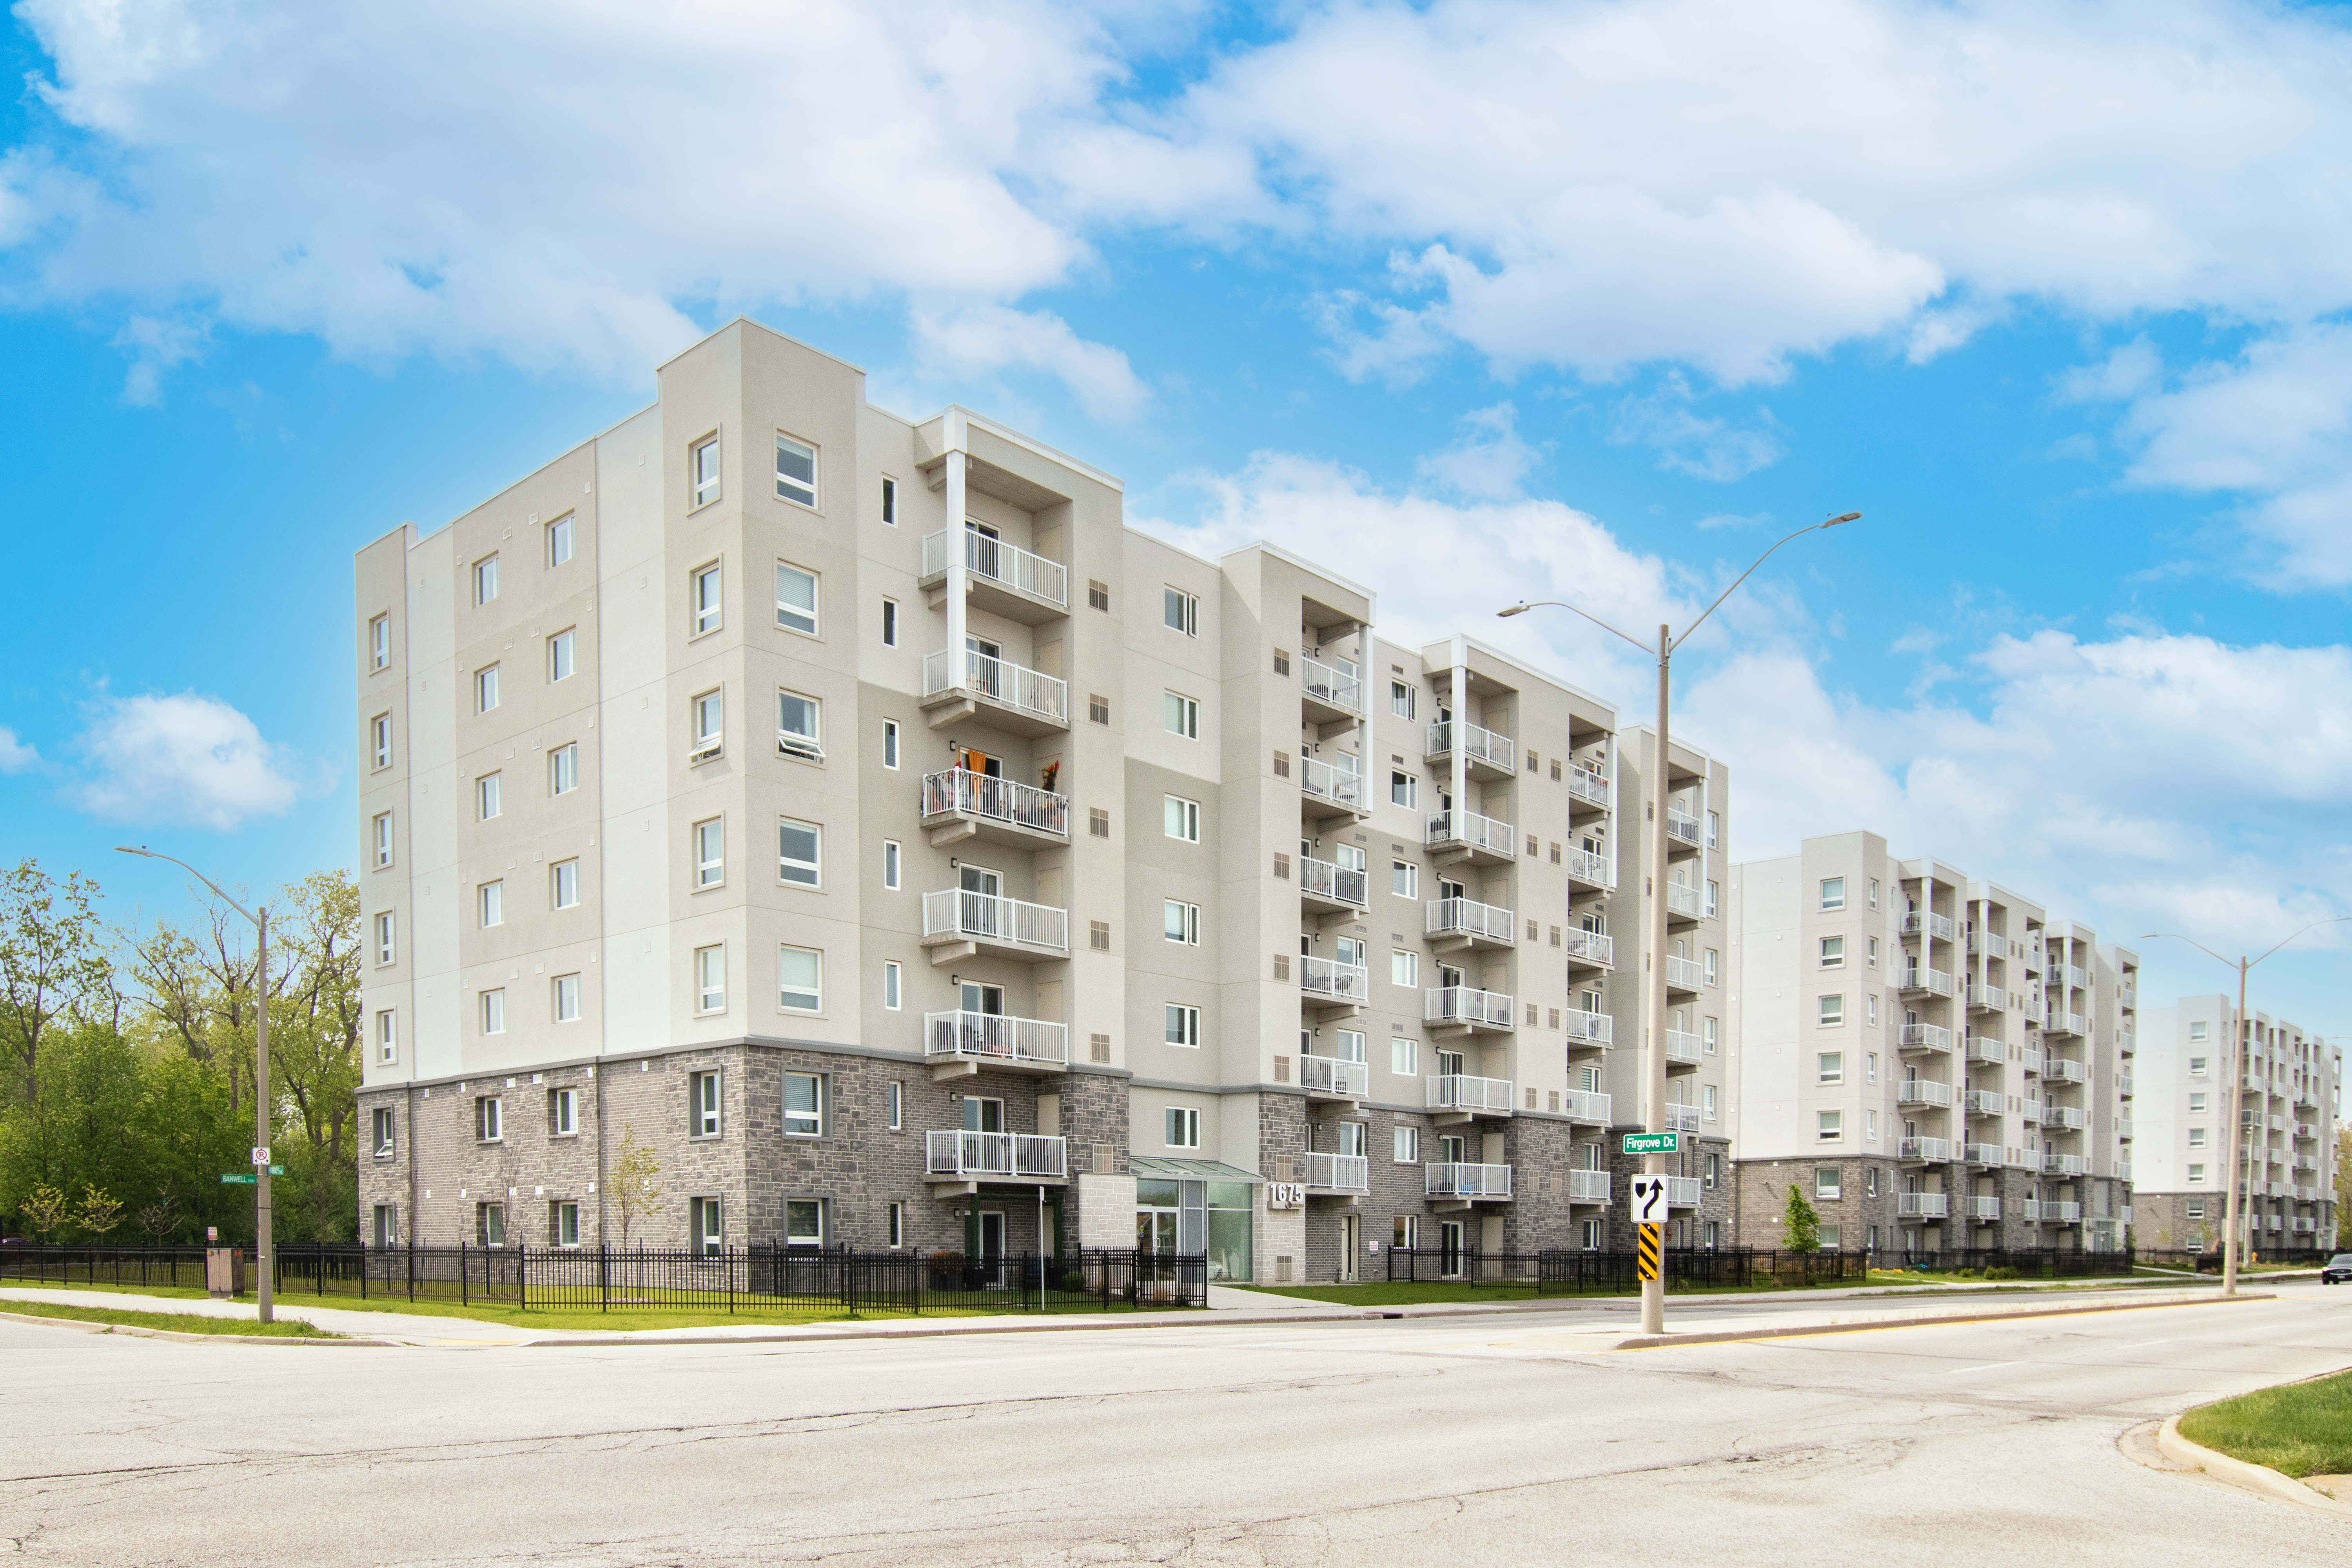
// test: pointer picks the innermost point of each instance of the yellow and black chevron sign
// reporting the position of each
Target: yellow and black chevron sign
(1646, 1251)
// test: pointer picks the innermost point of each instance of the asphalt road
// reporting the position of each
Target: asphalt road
(1451, 1441)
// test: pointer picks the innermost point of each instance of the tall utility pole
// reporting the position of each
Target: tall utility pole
(264, 1252)
(1653, 1001)
(2242, 1144)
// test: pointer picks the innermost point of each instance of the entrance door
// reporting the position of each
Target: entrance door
(992, 1248)
(1449, 1063)
(1447, 976)
(989, 999)
(1352, 1242)
(983, 550)
(987, 669)
(1449, 1248)
(1449, 888)
(983, 1115)
(982, 890)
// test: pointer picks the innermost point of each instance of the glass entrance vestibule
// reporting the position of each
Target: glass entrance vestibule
(1198, 1205)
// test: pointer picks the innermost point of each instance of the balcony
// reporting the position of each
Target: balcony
(1003, 579)
(2034, 1059)
(1588, 1186)
(1329, 695)
(1683, 1047)
(1683, 974)
(957, 923)
(1990, 944)
(1485, 754)
(1683, 828)
(1921, 1206)
(1987, 998)
(2064, 1164)
(2127, 993)
(2033, 1112)
(1683, 903)
(1334, 1078)
(2067, 974)
(1588, 1029)
(1932, 1150)
(962, 1156)
(1982, 1154)
(1938, 927)
(1984, 1103)
(1683, 1192)
(2124, 1085)
(1927, 1038)
(1978, 1049)
(2126, 1041)
(2033, 1207)
(2056, 1212)
(2124, 1129)
(1930, 980)
(1585, 1105)
(1586, 787)
(1008, 696)
(2058, 1021)
(1923, 1091)
(1328, 983)
(975, 1040)
(959, 804)
(1681, 1118)
(2065, 1069)
(2306, 1161)
(2068, 1117)
(1475, 1096)
(1590, 948)
(1468, 1183)
(1981, 1208)
(1464, 1007)
(1325, 790)
(2306, 1130)
(1466, 922)
(1337, 1173)
(1467, 836)
(1325, 886)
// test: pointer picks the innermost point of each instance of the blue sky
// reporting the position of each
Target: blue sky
(1472, 300)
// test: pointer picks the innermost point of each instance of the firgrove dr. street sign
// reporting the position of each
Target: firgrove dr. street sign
(1654, 1142)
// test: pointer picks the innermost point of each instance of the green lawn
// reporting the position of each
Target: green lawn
(2301, 1429)
(178, 1323)
(1402, 1293)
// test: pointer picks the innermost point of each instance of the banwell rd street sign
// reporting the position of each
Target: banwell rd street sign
(1654, 1142)
(1649, 1199)
(247, 1178)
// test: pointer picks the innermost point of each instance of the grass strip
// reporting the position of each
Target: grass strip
(2298, 1429)
(174, 1322)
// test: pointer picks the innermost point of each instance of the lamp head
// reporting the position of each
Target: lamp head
(1842, 517)
(1515, 610)
(127, 849)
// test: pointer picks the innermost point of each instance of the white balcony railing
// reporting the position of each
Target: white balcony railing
(2033, 1207)
(1990, 997)
(1323, 781)
(1340, 884)
(2058, 1212)
(1940, 927)
(2123, 1084)
(1002, 682)
(1917, 979)
(1468, 917)
(1585, 1105)
(1982, 1154)
(991, 1154)
(998, 562)
(1683, 974)
(2064, 1164)
(1921, 1206)
(1683, 900)
(1923, 1091)
(1458, 1091)
(1681, 1045)
(1681, 825)
(996, 1036)
(2124, 1128)
(1927, 1038)
(2066, 1070)
(1681, 1118)
(2058, 1021)
(1478, 745)
(2070, 1117)
(1985, 1103)
(1588, 786)
(1683, 1192)
(1593, 1027)
(1935, 1148)
(2034, 1059)
(1467, 1004)
(1978, 1049)
(1331, 979)
(984, 917)
(1447, 1180)
(1473, 831)
(1990, 944)
(1339, 1173)
(1589, 945)
(1334, 1075)
(959, 791)
(1982, 1208)
(2032, 1112)
(1588, 1186)
(1331, 687)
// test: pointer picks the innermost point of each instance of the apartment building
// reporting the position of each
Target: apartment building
(1931, 1058)
(853, 816)
(2289, 1104)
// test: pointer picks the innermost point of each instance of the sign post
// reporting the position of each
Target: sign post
(1648, 1194)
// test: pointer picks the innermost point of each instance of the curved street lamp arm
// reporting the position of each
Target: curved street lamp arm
(1524, 605)
(207, 881)
(1826, 522)
(2315, 925)
(2192, 942)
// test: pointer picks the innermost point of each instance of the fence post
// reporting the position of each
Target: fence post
(727, 1263)
(522, 1280)
(604, 1276)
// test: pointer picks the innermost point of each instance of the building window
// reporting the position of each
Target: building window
(1829, 1126)
(706, 735)
(1715, 835)
(490, 792)
(2194, 1210)
(1404, 1058)
(803, 1222)
(488, 1122)
(889, 623)
(1872, 959)
(1873, 892)
(890, 743)
(1870, 1126)
(1833, 952)
(890, 864)
(383, 839)
(795, 470)
(1181, 611)
(486, 579)
(490, 903)
(1710, 965)
(1401, 701)
(387, 1038)
(1869, 1007)
(890, 984)
(1181, 715)
(705, 1098)
(893, 1104)
(2197, 1100)
(1870, 1068)
(384, 950)
(2197, 1030)
(1826, 1183)
(1707, 1102)
(800, 727)
(803, 1105)
(1405, 968)
(1184, 1025)
(795, 599)
(705, 1233)
(1833, 892)
(702, 472)
(1833, 1010)
(490, 1225)
(562, 653)
(1097, 709)
(380, 741)
(1181, 922)
(1830, 1067)
(563, 769)
(799, 980)
(559, 541)
(486, 689)
(711, 979)
(566, 1001)
(1097, 594)
(1408, 1145)
(387, 1224)
(2197, 1138)
(1713, 892)
(797, 847)
(709, 852)
(382, 1125)
(1404, 878)
(898, 1225)
(380, 643)
(703, 600)
(2196, 1172)
(1097, 822)
(2196, 1067)
(563, 1224)
(1183, 1127)
(1405, 790)
(563, 878)
(1182, 818)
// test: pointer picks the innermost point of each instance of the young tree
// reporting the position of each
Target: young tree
(159, 1216)
(99, 1213)
(52, 967)
(45, 1209)
(1802, 1227)
(631, 1182)
(314, 1052)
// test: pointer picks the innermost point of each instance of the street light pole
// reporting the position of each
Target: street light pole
(1653, 999)
(264, 1252)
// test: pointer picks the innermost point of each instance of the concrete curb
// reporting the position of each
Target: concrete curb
(2238, 1473)
(88, 1327)
(939, 1328)
(1733, 1336)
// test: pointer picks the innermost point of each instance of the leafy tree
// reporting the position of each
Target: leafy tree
(46, 1208)
(2343, 1185)
(99, 1213)
(314, 1052)
(632, 1183)
(1802, 1227)
(52, 967)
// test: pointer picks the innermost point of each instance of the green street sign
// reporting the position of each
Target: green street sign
(234, 1180)
(1654, 1142)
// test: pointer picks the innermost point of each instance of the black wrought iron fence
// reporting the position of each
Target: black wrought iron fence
(2022, 1263)
(2209, 1262)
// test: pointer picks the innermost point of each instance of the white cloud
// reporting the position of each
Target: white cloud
(16, 755)
(183, 758)
(1489, 461)
(980, 340)
(1703, 448)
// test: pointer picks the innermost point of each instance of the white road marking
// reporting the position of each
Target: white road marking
(1993, 1367)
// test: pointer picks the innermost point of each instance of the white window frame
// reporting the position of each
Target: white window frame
(563, 877)
(808, 1123)
(705, 599)
(563, 1227)
(1179, 611)
(489, 796)
(563, 1000)
(380, 742)
(1404, 1056)
(792, 486)
(807, 743)
(787, 991)
(1829, 1126)
(1401, 698)
(890, 501)
(790, 615)
(1404, 967)
(1406, 1145)
(893, 985)
(894, 1105)
(890, 743)
(388, 948)
(896, 1225)
(486, 579)
(490, 1119)
(490, 1012)
(889, 621)
(1181, 1026)
(705, 727)
(2197, 1138)
(559, 540)
(1182, 1127)
(486, 689)
(1180, 715)
(788, 867)
(563, 763)
(490, 903)
(706, 848)
(2197, 1172)
(1408, 785)
(1409, 873)
(711, 979)
(1181, 818)
(1833, 952)
(1828, 1067)
(564, 655)
(380, 641)
(387, 1036)
(383, 1133)
(892, 854)
(706, 1100)
(703, 472)
(1832, 900)
(1830, 1011)
(1179, 923)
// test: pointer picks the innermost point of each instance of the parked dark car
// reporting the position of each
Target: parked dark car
(2337, 1270)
